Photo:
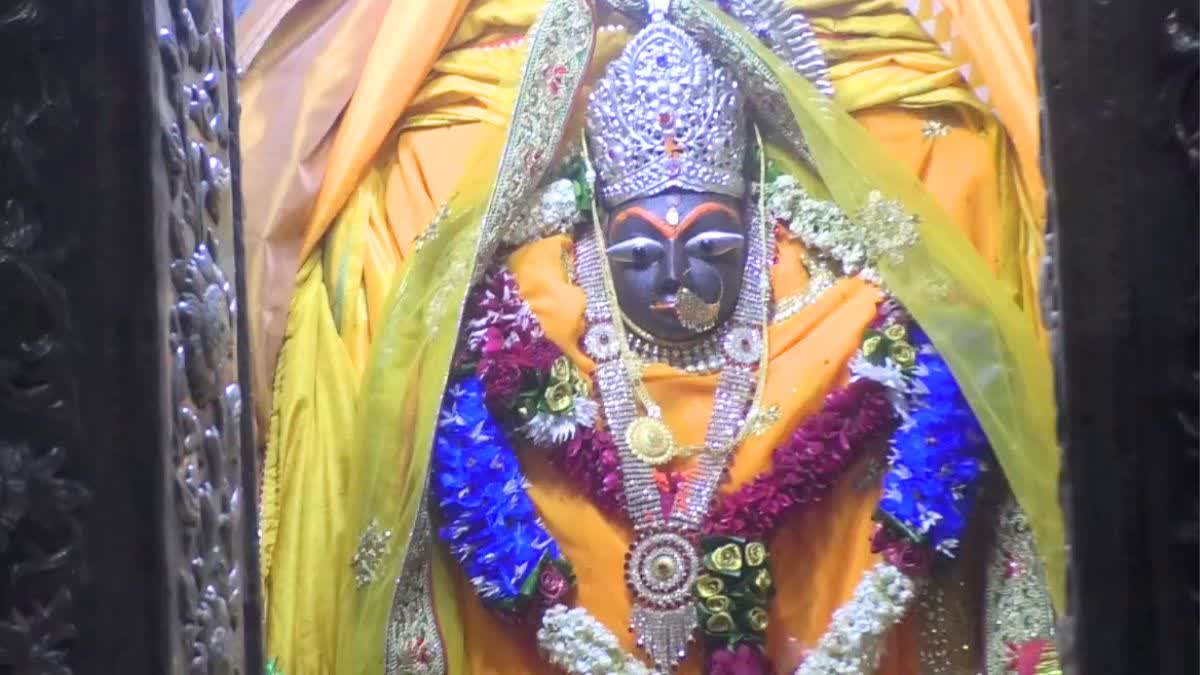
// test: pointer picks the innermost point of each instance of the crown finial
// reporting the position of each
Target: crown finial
(666, 115)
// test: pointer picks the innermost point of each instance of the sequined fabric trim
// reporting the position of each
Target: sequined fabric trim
(948, 645)
(935, 129)
(1018, 606)
(373, 545)
(553, 72)
(413, 645)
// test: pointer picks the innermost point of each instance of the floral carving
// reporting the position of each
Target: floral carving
(197, 150)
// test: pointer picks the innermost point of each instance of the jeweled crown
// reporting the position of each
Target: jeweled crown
(665, 115)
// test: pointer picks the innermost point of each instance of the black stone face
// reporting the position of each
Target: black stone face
(661, 244)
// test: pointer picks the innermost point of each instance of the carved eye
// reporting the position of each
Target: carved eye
(639, 251)
(713, 244)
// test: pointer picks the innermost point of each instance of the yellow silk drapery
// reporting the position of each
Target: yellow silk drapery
(390, 197)
(304, 61)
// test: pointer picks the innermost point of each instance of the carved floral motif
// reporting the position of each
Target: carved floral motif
(206, 457)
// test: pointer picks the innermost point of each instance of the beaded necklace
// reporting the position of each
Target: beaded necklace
(664, 560)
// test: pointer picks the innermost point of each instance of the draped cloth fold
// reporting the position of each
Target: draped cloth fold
(390, 304)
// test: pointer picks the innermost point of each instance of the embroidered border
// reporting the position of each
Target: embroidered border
(559, 53)
(553, 74)
(413, 645)
(1018, 608)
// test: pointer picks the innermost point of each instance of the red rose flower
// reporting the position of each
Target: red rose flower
(552, 585)
(908, 557)
(501, 378)
(747, 660)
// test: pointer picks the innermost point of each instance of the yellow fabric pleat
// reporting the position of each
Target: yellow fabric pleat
(392, 75)
(374, 205)
(959, 61)
(304, 481)
(292, 95)
(337, 306)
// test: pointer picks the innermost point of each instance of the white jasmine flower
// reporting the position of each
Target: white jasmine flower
(854, 641)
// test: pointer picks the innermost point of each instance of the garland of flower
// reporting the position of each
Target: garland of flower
(853, 643)
(937, 458)
(577, 643)
(511, 354)
(527, 379)
(533, 389)
(489, 521)
(806, 466)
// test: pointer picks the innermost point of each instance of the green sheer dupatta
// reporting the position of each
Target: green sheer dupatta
(923, 258)
(412, 351)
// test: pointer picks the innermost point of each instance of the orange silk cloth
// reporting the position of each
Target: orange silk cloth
(327, 81)
(818, 555)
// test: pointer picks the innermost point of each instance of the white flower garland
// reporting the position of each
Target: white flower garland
(579, 644)
(819, 224)
(880, 228)
(554, 211)
(576, 642)
(853, 644)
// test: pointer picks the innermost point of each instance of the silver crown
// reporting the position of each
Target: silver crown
(665, 115)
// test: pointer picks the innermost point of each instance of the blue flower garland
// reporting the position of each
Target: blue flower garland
(937, 457)
(489, 521)
(491, 526)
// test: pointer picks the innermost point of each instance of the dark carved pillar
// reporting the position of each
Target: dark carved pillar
(127, 526)
(1119, 82)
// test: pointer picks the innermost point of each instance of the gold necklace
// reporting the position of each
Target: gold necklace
(664, 559)
(648, 436)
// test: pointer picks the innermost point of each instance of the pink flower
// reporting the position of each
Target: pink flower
(747, 660)
(911, 558)
(501, 378)
(552, 585)
(591, 458)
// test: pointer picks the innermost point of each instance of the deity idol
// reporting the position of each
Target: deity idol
(687, 376)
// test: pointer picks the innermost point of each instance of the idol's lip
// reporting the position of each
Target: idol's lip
(667, 304)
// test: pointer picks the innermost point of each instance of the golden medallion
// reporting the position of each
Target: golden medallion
(650, 441)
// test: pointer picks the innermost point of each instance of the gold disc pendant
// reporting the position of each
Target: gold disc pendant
(650, 440)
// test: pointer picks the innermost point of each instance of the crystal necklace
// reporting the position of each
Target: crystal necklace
(700, 357)
(664, 559)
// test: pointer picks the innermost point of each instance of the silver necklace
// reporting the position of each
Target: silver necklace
(664, 558)
(702, 357)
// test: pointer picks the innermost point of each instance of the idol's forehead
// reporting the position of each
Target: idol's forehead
(670, 214)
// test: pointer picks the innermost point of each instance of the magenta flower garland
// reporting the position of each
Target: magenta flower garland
(512, 356)
(514, 359)
(804, 468)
